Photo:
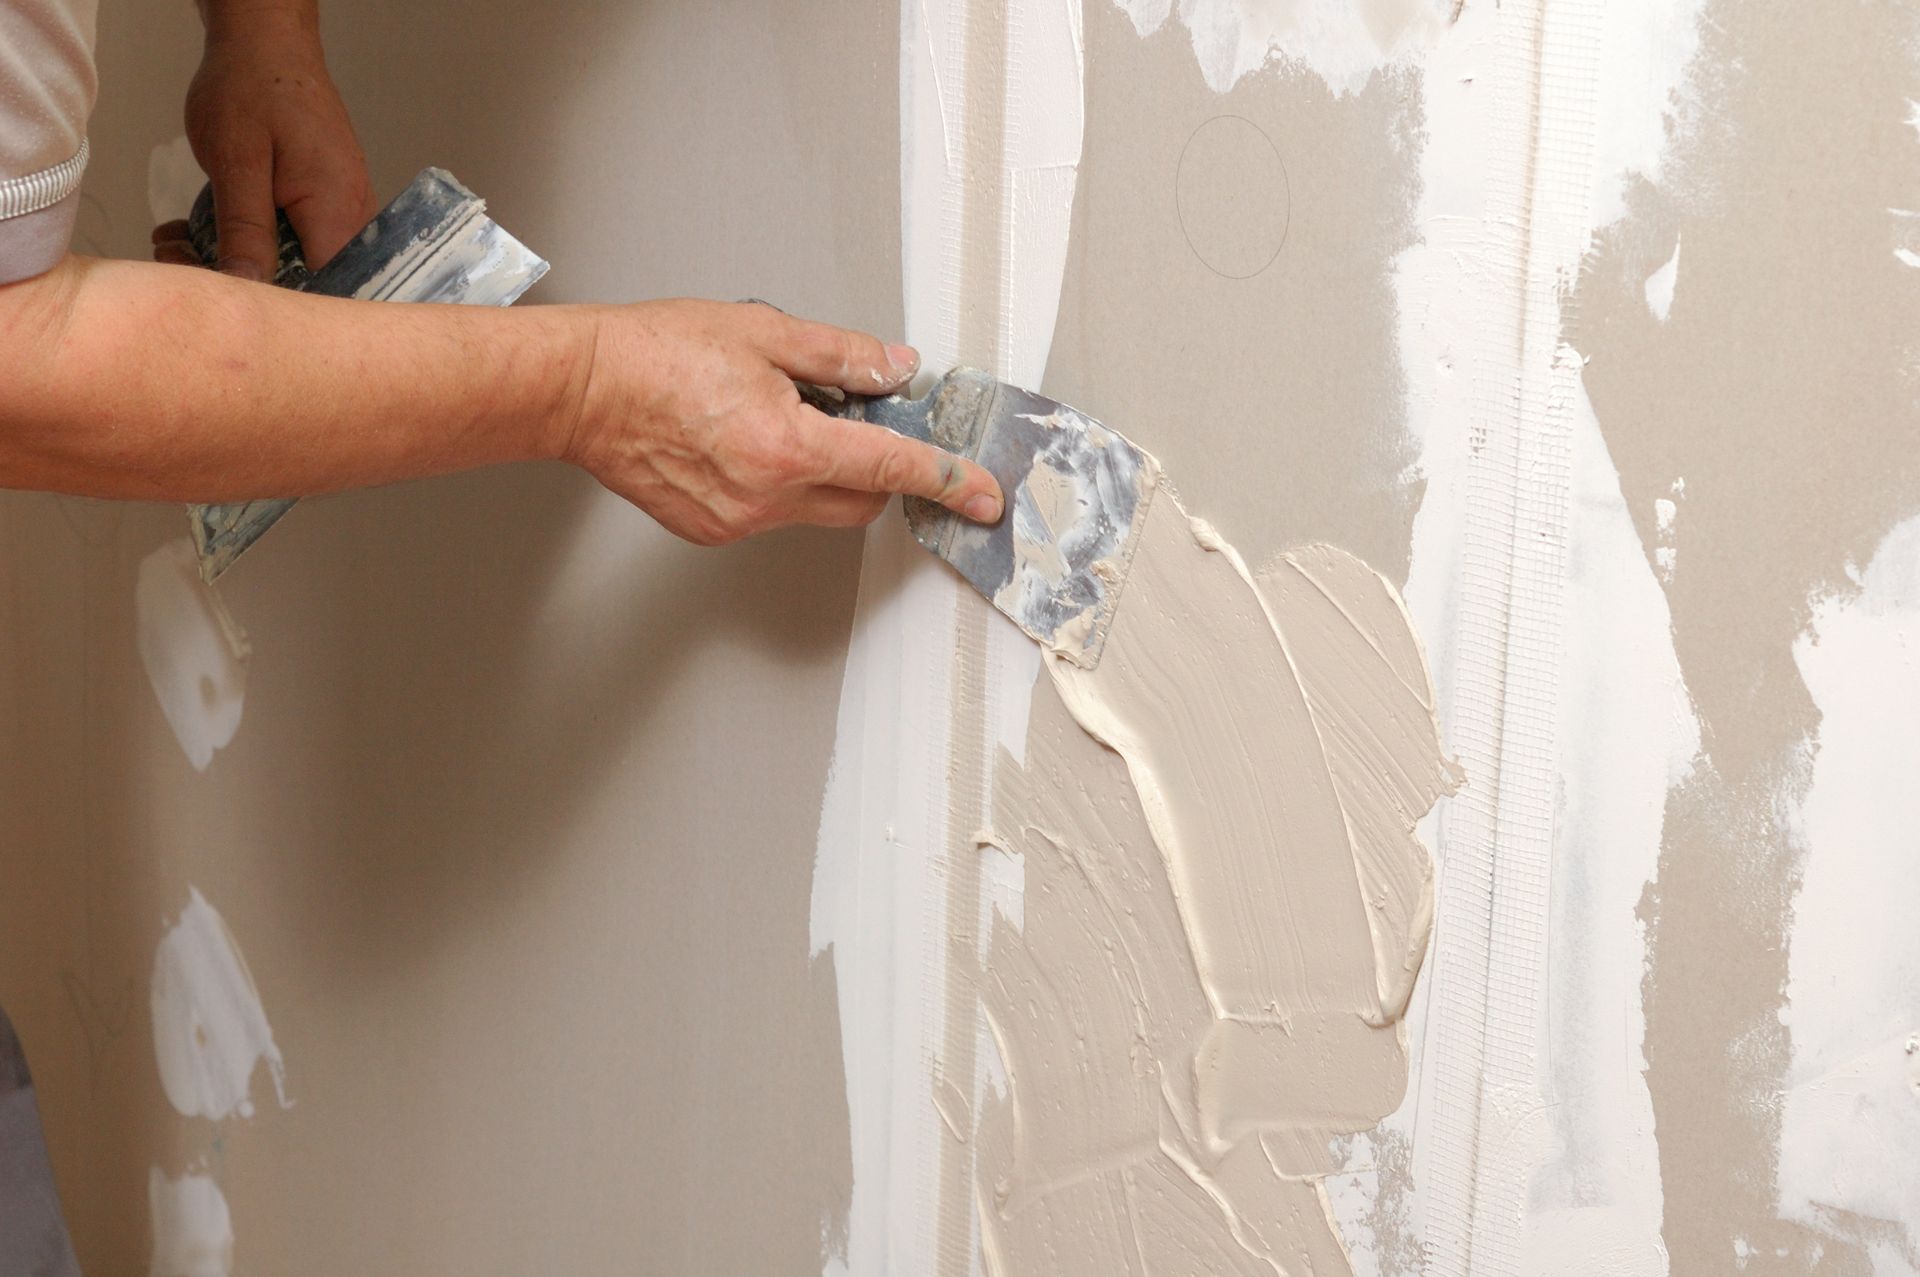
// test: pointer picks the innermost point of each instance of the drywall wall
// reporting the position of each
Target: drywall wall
(1402, 290)
(590, 885)
(512, 819)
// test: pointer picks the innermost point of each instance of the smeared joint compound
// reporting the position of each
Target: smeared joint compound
(192, 1230)
(209, 1028)
(1850, 1117)
(194, 652)
(1225, 911)
(1342, 42)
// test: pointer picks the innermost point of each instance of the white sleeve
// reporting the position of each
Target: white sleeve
(46, 93)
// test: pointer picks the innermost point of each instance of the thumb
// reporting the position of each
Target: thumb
(243, 212)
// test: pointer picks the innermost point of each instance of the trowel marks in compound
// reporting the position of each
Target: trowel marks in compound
(1225, 910)
(209, 1028)
(194, 653)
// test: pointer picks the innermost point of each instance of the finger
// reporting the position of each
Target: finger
(176, 253)
(827, 507)
(332, 215)
(167, 231)
(829, 356)
(867, 458)
(243, 214)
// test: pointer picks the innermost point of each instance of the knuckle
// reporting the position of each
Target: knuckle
(798, 455)
(825, 349)
(892, 471)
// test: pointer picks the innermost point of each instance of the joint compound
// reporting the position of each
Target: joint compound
(1225, 910)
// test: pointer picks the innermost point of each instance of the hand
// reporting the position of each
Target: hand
(690, 412)
(268, 126)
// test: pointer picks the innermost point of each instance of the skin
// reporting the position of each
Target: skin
(172, 382)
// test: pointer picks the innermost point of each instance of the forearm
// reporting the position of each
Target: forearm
(163, 383)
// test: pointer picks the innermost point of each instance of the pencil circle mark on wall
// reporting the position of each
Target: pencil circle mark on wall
(1230, 190)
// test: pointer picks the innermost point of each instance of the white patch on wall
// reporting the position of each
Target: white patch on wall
(1906, 235)
(1659, 286)
(1645, 49)
(174, 180)
(1627, 732)
(1342, 41)
(192, 1230)
(1850, 1132)
(194, 653)
(209, 1029)
(1666, 512)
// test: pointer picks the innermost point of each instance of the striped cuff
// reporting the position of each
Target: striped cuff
(22, 195)
(36, 217)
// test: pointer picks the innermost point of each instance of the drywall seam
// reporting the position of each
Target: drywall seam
(975, 278)
(881, 896)
(1481, 1125)
(1626, 728)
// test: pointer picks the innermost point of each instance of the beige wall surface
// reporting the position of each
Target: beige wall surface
(517, 828)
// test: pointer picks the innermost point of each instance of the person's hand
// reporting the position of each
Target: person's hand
(690, 412)
(269, 128)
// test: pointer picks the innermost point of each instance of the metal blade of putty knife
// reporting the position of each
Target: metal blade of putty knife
(1076, 494)
(433, 243)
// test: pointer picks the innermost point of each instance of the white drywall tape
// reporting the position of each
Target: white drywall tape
(887, 831)
(1480, 1126)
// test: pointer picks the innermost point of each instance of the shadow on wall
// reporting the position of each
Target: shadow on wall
(481, 663)
(638, 180)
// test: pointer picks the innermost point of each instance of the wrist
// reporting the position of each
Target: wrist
(261, 21)
(580, 404)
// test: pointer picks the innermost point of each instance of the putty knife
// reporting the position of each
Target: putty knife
(1076, 498)
(433, 243)
(1077, 493)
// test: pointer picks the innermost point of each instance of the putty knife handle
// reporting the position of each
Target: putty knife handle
(910, 417)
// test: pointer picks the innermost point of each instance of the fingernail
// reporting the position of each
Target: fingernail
(240, 268)
(983, 509)
(903, 358)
